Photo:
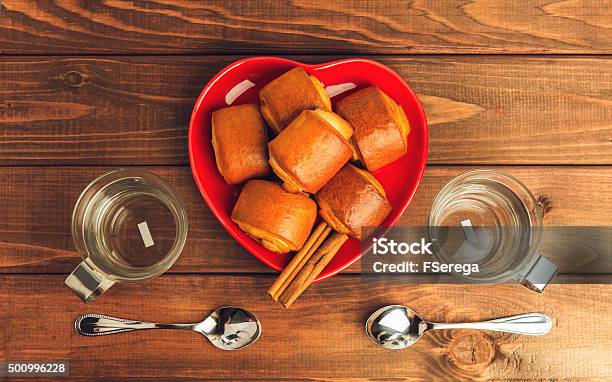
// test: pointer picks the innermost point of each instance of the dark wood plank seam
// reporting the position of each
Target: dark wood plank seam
(313, 54)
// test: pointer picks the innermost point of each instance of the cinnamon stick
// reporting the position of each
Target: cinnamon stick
(304, 260)
(313, 267)
(298, 261)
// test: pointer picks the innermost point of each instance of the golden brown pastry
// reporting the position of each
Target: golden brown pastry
(311, 150)
(287, 96)
(381, 126)
(240, 143)
(279, 220)
(351, 200)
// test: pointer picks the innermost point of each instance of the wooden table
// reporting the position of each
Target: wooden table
(525, 87)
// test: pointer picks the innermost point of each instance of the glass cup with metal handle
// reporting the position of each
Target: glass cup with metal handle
(128, 226)
(490, 219)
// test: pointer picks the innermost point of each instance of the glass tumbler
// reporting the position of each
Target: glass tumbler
(128, 226)
(490, 219)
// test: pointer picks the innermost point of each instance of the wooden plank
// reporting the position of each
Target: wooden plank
(135, 110)
(320, 337)
(377, 26)
(37, 202)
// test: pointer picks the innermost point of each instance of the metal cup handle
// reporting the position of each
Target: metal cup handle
(87, 283)
(537, 276)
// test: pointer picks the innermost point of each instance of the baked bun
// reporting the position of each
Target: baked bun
(288, 95)
(351, 200)
(240, 143)
(311, 150)
(381, 126)
(279, 220)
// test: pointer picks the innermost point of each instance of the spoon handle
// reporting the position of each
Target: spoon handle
(531, 324)
(98, 325)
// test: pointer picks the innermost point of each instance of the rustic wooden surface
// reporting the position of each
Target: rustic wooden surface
(523, 87)
(319, 338)
(38, 203)
(481, 110)
(432, 26)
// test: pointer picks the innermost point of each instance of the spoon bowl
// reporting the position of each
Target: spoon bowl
(398, 327)
(230, 328)
(395, 327)
(227, 328)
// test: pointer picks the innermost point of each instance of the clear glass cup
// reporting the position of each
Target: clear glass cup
(490, 219)
(128, 226)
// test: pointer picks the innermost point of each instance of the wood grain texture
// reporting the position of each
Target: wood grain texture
(76, 90)
(320, 337)
(37, 205)
(135, 110)
(432, 26)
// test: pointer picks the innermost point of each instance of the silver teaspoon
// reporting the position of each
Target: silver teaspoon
(398, 327)
(228, 328)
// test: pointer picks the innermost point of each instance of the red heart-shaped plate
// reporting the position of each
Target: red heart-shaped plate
(240, 83)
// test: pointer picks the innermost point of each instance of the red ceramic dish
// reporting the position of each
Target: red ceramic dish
(240, 82)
